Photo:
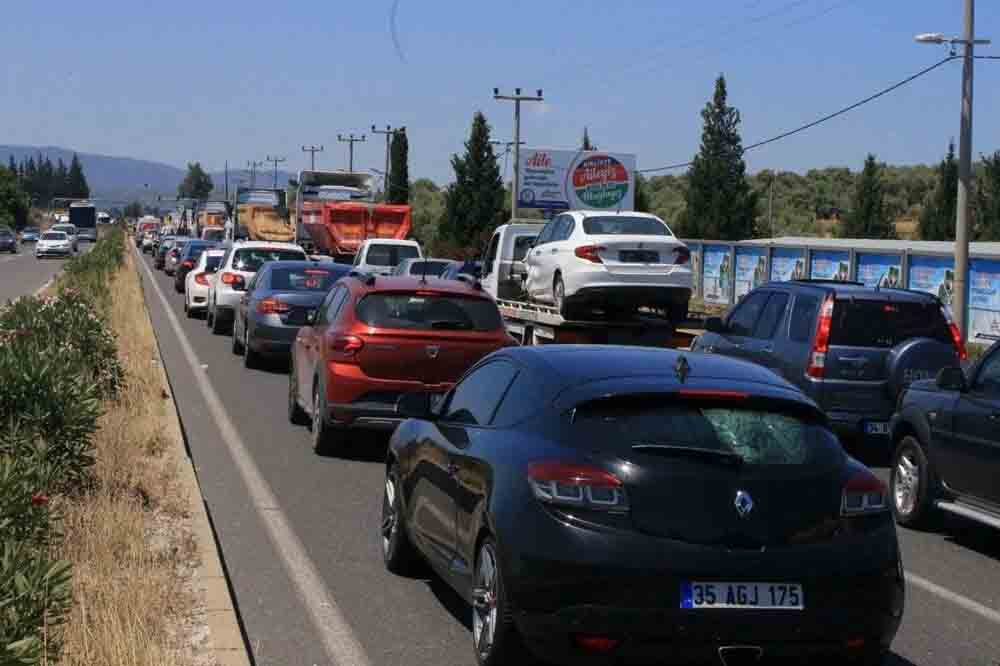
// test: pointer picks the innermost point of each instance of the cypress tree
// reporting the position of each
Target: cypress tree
(586, 144)
(868, 218)
(61, 179)
(937, 220)
(474, 202)
(721, 205)
(399, 169)
(76, 182)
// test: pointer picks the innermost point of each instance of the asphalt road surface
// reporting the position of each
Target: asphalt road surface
(299, 532)
(22, 274)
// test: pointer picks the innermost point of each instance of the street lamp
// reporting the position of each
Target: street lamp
(968, 40)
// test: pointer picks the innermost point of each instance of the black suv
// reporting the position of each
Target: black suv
(851, 348)
(948, 445)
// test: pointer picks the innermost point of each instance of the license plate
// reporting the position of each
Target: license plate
(877, 428)
(639, 257)
(783, 596)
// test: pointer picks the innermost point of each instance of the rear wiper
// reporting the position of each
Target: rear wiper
(450, 323)
(727, 457)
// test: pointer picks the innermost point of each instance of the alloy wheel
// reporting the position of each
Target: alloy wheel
(906, 486)
(484, 601)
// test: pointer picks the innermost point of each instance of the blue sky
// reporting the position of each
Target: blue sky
(221, 80)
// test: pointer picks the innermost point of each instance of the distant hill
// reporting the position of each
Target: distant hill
(125, 178)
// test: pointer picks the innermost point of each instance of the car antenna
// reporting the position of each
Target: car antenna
(423, 272)
(878, 284)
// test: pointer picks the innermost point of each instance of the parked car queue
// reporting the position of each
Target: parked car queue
(596, 504)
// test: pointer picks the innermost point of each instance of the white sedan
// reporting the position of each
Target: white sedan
(198, 281)
(54, 244)
(612, 262)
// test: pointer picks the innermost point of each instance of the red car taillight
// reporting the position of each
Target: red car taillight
(201, 278)
(589, 252)
(956, 335)
(864, 493)
(346, 345)
(272, 306)
(577, 485)
(187, 263)
(683, 255)
(821, 344)
(230, 278)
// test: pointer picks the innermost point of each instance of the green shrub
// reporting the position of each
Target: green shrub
(35, 598)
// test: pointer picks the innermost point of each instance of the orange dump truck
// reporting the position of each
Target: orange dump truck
(260, 214)
(335, 210)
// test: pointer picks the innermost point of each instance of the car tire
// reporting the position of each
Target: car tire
(178, 288)
(495, 639)
(217, 326)
(324, 437)
(911, 484)
(398, 553)
(237, 345)
(208, 316)
(251, 359)
(296, 415)
(559, 293)
(187, 309)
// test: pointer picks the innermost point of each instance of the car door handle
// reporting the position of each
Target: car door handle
(553, 251)
(452, 469)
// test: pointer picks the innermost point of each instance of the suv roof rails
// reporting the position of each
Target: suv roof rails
(853, 283)
(366, 278)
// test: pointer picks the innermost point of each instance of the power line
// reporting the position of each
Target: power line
(818, 121)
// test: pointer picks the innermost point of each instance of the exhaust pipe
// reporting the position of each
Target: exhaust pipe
(737, 655)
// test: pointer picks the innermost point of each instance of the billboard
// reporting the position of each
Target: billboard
(880, 270)
(984, 299)
(830, 265)
(751, 270)
(576, 179)
(788, 264)
(934, 275)
(717, 274)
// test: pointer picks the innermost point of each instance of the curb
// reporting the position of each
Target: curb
(225, 635)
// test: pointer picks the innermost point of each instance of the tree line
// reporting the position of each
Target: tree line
(44, 181)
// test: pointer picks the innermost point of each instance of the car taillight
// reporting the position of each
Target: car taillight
(864, 493)
(272, 306)
(956, 335)
(187, 264)
(683, 255)
(348, 345)
(577, 485)
(201, 278)
(589, 252)
(821, 344)
(230, 278)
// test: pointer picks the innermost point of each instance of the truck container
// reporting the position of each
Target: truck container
(260, 214)
(83, 215)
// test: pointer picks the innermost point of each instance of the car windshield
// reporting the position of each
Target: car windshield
(250, 259)
(304, 279)
(428, 268)
(66, 230)
(621, 225)
(390, 255)
(752, 436)
(53, 235)
(419, 311)
(884, 324)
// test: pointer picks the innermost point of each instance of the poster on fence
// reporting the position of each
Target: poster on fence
(717, 273)
(934, 275)
(830, 265)
(880, 270)
(751, 270)
(787, 264)
(695, 269)
(984, 300)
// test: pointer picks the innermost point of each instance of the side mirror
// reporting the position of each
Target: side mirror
(951, 379)
(414, 405)
(311, 317)
(715, 325)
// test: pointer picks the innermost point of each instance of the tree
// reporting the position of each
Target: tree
(988, 199)
(133, 210)
(12, 165)
(474, 202)
(868, 218)
(586, 144)
(13, 207)
(937, 220)
(197, 184)
(641, 196)
(61, 185)
(399, 169)
(76, 182)
(720, 202)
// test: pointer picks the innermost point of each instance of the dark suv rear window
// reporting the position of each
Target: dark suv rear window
(417, 311)
(882, 324)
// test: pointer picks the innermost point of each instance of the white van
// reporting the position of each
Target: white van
(379, 256)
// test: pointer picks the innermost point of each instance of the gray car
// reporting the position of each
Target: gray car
(427, 266)
(277, 302)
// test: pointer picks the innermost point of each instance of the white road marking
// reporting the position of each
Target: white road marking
(338, 640)
(979, 609)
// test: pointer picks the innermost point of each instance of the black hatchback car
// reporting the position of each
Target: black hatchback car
(850, 348)
(610, 505)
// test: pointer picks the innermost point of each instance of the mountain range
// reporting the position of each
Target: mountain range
(124, 179)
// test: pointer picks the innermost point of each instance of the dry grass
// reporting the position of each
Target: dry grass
(128, 538)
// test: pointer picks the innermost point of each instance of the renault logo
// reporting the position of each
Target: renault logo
(433, 351)
(743, 503)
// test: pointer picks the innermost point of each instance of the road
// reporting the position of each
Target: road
(22, 274)
(299, 533)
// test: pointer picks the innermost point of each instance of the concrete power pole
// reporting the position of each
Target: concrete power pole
(350, 141)
(388, 131)
(770, 204)
(517, 98)
(276, 161)
(252, 164)
(312, 150)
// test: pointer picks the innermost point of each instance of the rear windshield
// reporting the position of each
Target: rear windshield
(212, 263)
(389, 255)
(214, 234)
(624, 226)
(194, 250)
(304, 279)
(251, 259)
(428, 268)
(429, 312)
(884, 325)
(757, 436)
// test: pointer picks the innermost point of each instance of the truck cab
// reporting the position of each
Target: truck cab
(503, 261)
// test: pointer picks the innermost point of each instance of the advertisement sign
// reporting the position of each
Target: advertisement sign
(934, 275)
(576, 179)
(788, 264)
(751, 270)
(718, 274)
(984, 299)
(695, 269)
(830, 265)
(880, 270)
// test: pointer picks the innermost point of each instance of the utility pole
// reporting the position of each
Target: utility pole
(227, 180)
(276, 161)
(350, 140)
(517, 98)
(253, 172)
(312, 150)
(770, 204)
(388, 131)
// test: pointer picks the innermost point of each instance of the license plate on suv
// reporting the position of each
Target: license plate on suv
(639, 256)
(782, 596)
(877, 428)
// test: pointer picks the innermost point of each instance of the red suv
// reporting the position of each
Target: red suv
(374, 339)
